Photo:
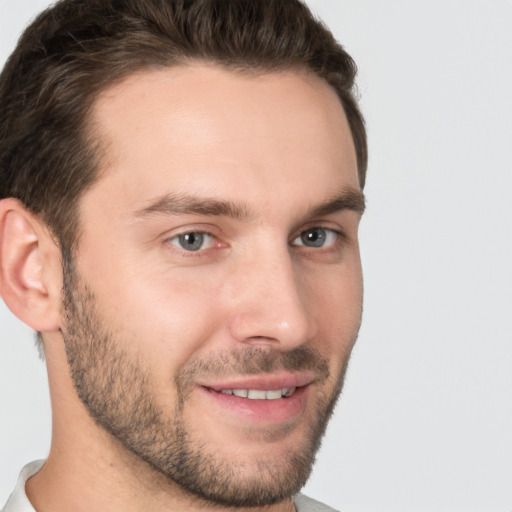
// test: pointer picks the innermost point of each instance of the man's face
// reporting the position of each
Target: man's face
(216, 293)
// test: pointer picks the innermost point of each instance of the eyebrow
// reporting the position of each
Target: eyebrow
(180, 204)
(348, 199)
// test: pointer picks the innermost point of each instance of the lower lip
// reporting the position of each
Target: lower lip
(261, 411)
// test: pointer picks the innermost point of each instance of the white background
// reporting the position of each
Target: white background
(425, 422)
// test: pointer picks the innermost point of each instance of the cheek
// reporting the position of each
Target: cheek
(335, 302)
(162, 318)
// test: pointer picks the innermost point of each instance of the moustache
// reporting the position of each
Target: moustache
(250, 361)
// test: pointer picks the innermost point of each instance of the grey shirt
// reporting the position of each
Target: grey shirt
(18, 501)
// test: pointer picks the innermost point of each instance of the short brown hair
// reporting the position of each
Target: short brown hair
(75, 49)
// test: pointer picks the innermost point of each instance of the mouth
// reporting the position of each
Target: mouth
(263, 400)
(262, 386)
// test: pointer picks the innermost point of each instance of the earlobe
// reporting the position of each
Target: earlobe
(27, 272)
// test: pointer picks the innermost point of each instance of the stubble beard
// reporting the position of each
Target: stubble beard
(116, 391)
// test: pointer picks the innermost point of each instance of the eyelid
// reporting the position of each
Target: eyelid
(216, 242)
(207, 236)
(206, 229)
(339, 234)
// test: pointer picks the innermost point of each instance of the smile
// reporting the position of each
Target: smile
(260, 394)
(259, 402)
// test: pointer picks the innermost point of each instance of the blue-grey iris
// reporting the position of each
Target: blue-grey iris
(191, 241)
(314, 237)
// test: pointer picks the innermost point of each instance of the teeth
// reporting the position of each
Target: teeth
(259, 394)
(289, 391)
(274, 394)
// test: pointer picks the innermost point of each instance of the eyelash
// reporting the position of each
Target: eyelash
(337, 234)
(195, 252)
(329, 232)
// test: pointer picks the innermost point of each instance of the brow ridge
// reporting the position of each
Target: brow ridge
(176, 204)
(179, 204)
(347, 199)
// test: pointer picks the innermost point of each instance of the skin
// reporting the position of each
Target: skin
(277, 146)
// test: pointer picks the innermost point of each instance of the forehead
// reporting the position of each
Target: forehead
(202, 128)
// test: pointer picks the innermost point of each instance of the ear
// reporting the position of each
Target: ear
(30, 267)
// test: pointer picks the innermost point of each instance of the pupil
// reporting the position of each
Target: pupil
(191, 241)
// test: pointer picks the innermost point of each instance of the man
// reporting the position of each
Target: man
(181, 188)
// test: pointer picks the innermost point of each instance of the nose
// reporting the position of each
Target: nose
(270, 303)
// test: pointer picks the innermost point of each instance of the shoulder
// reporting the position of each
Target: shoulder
(305, 504)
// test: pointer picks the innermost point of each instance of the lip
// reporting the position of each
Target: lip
(265, 382)
(259, 412)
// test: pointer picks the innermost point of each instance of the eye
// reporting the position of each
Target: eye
(193, 241)
(316, 237)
